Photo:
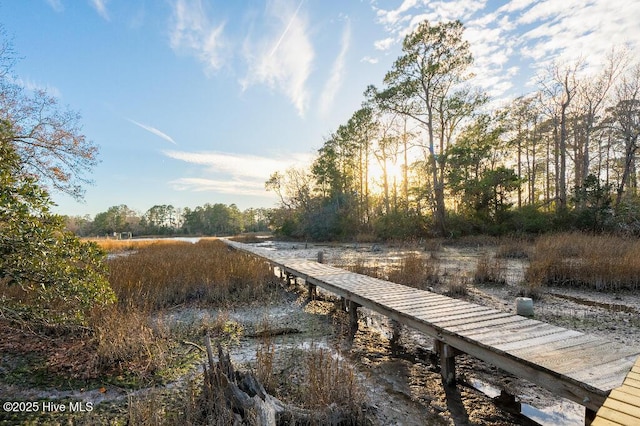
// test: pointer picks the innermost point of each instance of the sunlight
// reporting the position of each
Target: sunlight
(376, 174)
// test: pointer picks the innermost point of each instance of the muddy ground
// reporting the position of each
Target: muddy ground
(403, 387)
(407, 388)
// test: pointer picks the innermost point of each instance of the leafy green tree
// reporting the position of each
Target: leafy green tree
(426, 84)
(476, 173)
(61, 278)
(160, 219)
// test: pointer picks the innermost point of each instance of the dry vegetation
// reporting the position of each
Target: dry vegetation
(600, 262)
(416, 271)
(127, 346)
(164, 275)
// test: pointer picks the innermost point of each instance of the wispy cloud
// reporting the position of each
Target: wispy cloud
(384, 44)
(232, 173)
(283, 59)
(334, 82)
(232, 187)
(286, 30)
(153, 130)
(34, 86)
(101, 7)
(192, 31)
(56, 5)
(520, 37)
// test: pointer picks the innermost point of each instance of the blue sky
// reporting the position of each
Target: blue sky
(196, 101)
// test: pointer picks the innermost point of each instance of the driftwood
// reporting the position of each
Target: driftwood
(251, 404)
(274, 332)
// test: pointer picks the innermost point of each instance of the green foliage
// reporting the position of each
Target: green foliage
(593, 210)
(61, 278)
(213, 219)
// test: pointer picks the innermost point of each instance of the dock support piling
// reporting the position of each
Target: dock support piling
(396, 329)
(312, 290)
(589, 416)
(353, 317)
(447, 361)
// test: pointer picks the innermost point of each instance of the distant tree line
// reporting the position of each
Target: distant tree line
(426, 154)
(210, 219)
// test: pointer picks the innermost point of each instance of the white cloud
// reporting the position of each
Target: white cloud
(233, 173)
(153, 130)
(33, 86)
(332, 86)
(283, 59)
(56, 5)
(101, 7)
(369, 60)
(384, 44)
(193, 32)
(511, 43)
(231, 187)
(393, 17)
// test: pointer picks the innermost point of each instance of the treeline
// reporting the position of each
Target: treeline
(427, 155)
(210, 219)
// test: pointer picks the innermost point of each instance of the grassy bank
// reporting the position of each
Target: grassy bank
(600, 262)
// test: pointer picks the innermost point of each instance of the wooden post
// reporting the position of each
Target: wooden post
(447, 362)
(589, 416)
(343, 304)
(396, 329)
(291, 279)
(320, 256)
(353, 317)
(312, 291)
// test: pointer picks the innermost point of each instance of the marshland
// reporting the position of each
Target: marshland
(139, 361)
(446, 177)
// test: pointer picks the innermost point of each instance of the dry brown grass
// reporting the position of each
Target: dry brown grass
(489, 270)
(165, 274)
(115, 246)
(416, 271)
(125, 342)
(315, 379)
(514, 248)
(173, 273)
(601, 262)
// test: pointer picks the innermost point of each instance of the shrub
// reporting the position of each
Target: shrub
(60, 278)
(415, 271)
(489, 271)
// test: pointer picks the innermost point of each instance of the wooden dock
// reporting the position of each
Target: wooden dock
(571, 364)
(622, 407)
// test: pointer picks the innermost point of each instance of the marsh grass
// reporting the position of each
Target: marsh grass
(125, 342)
(313, 378)
(416, 271)
(514, 248)
(171, 274)
(600, 262)
(116, 246)
(489, 270)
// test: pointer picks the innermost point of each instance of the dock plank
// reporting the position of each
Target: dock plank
(571, 364)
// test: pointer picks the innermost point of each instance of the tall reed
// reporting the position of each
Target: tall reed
(601, 262)
(164, 275)
(416, 271)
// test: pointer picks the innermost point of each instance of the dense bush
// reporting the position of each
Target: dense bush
(53, 276)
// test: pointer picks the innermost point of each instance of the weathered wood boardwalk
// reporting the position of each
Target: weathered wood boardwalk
(622, 407)
(569, 363)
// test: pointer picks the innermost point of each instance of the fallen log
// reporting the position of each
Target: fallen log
(272, 332)
(245, 396)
